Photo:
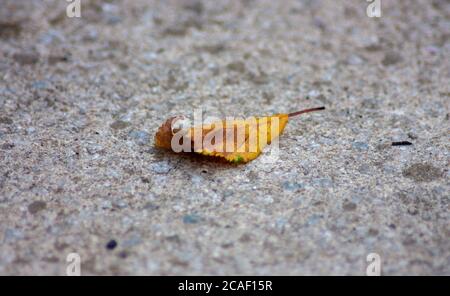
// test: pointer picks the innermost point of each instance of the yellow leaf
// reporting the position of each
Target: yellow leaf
(236, 141)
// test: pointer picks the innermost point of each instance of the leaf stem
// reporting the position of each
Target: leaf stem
(305, 111)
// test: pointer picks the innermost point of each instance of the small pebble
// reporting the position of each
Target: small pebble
(36, 206)
(111, 245)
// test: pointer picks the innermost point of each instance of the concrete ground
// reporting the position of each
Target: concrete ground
(80, 101)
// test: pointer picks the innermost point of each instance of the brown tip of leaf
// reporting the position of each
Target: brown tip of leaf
(305, 111)
(163, 136)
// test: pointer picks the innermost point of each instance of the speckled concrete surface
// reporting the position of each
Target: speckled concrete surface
(80, 100)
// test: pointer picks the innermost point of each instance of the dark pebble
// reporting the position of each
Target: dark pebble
(111, 245)
(401, 143)
(36, 206)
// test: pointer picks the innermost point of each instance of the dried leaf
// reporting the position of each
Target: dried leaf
(236, 141)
